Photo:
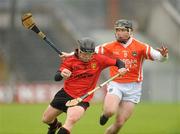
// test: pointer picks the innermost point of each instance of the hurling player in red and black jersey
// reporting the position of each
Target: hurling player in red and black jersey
(81, 72)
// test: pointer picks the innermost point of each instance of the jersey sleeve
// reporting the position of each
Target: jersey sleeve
(152, 54)
(104, 49)
(106, 61)
(147, 52)
(66, 64)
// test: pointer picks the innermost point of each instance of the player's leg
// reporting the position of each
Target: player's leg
(49, 117)
(56, 107)
(111, 102)
(73, 115)
(126, 109)
(131, 96)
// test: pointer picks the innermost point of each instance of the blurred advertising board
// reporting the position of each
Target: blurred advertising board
(28, 93)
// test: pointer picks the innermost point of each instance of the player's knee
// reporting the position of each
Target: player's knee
(46, 119)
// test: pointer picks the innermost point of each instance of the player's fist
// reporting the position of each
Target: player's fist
(122, 71)
(163, 50)
(65, 73)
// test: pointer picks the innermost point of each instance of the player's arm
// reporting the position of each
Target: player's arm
(64, 70)
(121, 67)
(115, 62)
(65, 73)
(65, 55)
(58, 76)
(100, 49)
(120, 64)
(160, 54)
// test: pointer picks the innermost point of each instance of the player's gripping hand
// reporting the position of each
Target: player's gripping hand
(163, 50)
(64, 55)
(123, 71)
(65, 73)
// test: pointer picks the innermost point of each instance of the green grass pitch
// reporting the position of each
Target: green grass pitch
(148, 118)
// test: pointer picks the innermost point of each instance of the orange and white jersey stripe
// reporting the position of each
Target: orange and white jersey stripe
(133, 53)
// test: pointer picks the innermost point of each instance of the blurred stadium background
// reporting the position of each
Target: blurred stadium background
(27, 65)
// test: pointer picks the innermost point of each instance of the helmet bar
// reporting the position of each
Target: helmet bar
(86, 50)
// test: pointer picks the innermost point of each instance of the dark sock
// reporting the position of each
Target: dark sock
(63, 130)
(103, 120)
(54, 124)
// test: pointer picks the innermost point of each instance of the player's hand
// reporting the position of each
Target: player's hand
(163, 50)
(123, 71)
(65, 73)
(65, 55)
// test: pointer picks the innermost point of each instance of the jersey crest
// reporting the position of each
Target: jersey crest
(134, 53)
(94, 65)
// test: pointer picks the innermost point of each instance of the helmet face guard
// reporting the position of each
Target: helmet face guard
(86, 49)
(123, 26)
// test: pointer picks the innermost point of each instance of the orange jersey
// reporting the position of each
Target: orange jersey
(133, 53)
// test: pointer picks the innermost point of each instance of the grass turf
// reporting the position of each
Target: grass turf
(147, 119)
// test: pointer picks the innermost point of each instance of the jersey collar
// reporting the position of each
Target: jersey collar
(127, 43)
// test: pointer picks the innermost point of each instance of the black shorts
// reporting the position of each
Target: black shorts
(60, 99)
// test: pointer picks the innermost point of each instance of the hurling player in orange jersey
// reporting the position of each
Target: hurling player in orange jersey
(124, 92)
(81, 72)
